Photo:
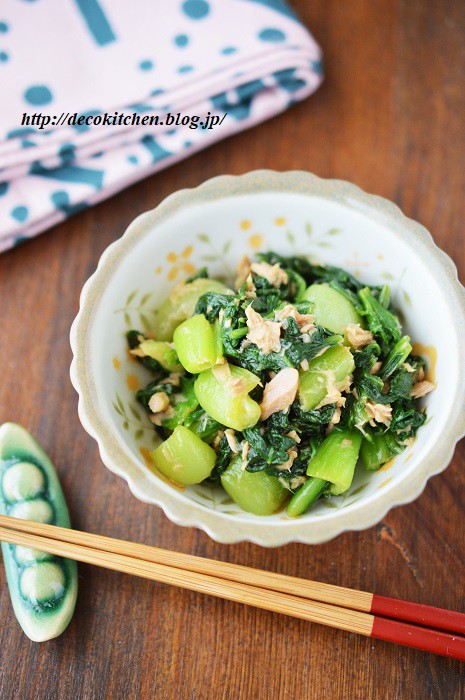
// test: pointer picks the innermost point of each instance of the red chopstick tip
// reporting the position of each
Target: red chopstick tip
(419, 614)
(442, 643)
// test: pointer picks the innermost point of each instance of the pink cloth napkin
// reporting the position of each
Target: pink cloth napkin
(224, 65)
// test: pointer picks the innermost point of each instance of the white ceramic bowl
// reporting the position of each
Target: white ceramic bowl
(215, 224)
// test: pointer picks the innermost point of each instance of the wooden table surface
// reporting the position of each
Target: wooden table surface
(389, 118)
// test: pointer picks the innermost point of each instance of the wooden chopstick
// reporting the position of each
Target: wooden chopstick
(231, 590)
(124, 557)
(425, 615)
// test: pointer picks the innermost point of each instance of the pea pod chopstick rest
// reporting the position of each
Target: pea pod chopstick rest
(43, 587)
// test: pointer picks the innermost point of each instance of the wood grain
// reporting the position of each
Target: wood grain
(390, 118)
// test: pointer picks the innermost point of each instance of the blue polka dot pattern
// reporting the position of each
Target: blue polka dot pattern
(146, 65)
(60, 199)
(71, 176)
(239, 108)
(84, 127)
(318, 67)
(181, 40)
(287, 80)
(154, 148)
(196, 9)
(273, 35)
(65, 148)
(20, 214)
(38, 95)
(67, 153)
(20, 132)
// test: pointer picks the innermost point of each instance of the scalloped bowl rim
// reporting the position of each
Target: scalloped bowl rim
(228, 529)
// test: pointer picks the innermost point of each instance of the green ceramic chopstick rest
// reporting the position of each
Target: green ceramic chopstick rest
(43, 587)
